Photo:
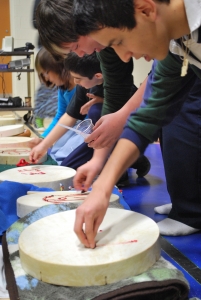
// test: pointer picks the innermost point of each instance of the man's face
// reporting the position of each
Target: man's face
(84, 45)
(149, 38)
(85, 81)
(129, 44)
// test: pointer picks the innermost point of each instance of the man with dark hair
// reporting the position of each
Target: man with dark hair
(147, 27)
(55, 24)
(157, 27)
(157, 20)
(87, 22)
(120, 14)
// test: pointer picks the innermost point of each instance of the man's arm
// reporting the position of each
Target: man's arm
(164, 96)
(118, 89)
(165, 92)
(93, 100)
(108, 129)
(118, 80)
(80, 98)
(92, 211)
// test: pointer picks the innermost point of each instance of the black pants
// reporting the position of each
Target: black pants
(181, 148)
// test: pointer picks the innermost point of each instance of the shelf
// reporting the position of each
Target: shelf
(22, 108)
(29, 70)
(17, 53)
(16, 70)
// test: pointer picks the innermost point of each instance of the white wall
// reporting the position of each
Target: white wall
(141, 70)
(23, 31)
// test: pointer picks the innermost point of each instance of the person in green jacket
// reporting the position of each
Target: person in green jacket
(146, 29)
(124, 43)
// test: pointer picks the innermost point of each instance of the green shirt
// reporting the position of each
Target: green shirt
(118, 80)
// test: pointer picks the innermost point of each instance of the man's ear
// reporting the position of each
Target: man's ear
(99, 76)
(146, 8)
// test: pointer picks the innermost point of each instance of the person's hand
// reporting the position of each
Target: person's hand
(85, 108)
(34, 142)
(94, 99)
(85, 175)
(90, 213)
(106, 131)
(37, 152)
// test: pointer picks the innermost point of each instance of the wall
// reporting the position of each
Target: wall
(23, 31)
(141, 70)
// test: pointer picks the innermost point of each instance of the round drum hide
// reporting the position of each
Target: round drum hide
(11, 130)
(7, 120)
(12, 156)
(41, 176)
(14, 142)
(127, 245)
(28, 203)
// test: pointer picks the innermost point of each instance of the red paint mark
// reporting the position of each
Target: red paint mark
(57, 199)
(115, 244)
(33, 171)
(16, 151)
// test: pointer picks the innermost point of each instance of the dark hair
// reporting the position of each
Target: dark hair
(45, 62)
(55, 23)
(86, 66)
(93, 15)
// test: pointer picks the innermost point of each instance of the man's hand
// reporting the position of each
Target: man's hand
(85, 175)
(109, 128)
(106, 131)
(90, 213)
(37, 152)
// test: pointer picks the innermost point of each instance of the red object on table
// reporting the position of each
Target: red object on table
(22, 163)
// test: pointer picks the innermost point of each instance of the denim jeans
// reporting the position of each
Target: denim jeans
(181, 148)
